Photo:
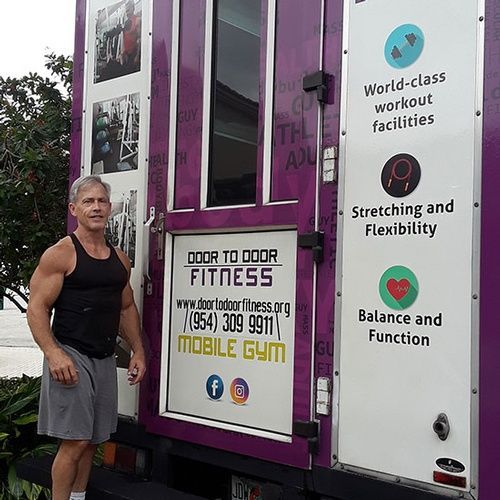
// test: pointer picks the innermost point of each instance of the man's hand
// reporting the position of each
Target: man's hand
(62, 368)
(136, 368)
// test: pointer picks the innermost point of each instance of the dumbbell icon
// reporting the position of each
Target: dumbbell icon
(396, 52)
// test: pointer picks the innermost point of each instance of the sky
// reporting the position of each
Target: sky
(32, 28)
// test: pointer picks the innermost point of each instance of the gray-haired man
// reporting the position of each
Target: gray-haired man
(86, 282)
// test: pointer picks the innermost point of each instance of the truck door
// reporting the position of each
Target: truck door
(407, 313)
(233, 191)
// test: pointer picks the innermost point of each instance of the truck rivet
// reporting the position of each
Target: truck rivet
(481, 18)
(472, 486)
(341, 212)
(476, 204)
(343, 132)
(345, 51)
(474, 296)
(474, 391)
(478, 113)
(334, 457)
(398, 480)
(336, 373)
(339, 294)
(342, 466)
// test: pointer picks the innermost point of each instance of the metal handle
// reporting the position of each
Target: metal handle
(159, 229)
(147, 232)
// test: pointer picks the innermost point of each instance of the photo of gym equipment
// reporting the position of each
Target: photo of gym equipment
(118, 40)
(122, 223)
(115, 134)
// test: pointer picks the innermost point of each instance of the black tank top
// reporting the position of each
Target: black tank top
(87, 311)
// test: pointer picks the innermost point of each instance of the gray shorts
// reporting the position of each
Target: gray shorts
(86, 410)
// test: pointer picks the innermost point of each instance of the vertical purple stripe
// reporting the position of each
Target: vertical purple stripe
(489, 366)
(328, 221)
(77, 105)
(294, 166)
(157, 197)
(295, 112)
(190, 105)
(262, 101)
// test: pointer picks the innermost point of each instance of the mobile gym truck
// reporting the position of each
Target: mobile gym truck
(308, 191)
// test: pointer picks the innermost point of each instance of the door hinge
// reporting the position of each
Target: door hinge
(330, 155)
(323, 396)
(314, 241)
(308, 430)
(317, 81)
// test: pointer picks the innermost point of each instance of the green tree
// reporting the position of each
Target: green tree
(35, 124)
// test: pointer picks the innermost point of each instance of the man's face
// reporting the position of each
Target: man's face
(92, 207)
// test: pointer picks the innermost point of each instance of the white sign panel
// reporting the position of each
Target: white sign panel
(232, 322)
(116, 123)
(408, 161)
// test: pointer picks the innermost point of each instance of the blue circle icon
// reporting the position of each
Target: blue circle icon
(215, 387)
(404, 46)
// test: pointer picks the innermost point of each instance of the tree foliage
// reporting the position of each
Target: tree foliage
(35, 123)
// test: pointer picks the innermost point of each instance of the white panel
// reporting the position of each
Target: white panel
(410, 94)
(232, 323)
(127, 97)
(117, 87)
(127, 396)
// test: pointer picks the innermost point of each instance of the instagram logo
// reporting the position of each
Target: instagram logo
(215, 387)
(239, 391)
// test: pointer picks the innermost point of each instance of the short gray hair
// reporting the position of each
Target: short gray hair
(85, 181)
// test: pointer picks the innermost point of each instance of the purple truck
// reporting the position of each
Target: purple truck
(307, 190)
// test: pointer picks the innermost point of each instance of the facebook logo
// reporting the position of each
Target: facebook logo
(215, 387)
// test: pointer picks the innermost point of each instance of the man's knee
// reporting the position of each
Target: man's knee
(74, 449)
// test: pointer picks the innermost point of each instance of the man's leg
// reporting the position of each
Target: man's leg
(65, 467)
(84, 467)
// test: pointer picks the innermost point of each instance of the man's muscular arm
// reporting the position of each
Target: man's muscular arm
(45, 286)
(130, 329)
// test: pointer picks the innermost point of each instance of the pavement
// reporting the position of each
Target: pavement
(19, 354)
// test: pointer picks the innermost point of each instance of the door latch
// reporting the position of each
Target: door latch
(159, 230)
(441, 426)
(155, 226)
(148, 282)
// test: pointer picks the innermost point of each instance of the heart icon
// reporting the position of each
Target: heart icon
(398, 289)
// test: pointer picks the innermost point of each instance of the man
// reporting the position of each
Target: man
(86, 282)
(131, 47)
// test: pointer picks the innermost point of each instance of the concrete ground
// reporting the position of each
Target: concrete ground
(18, 351)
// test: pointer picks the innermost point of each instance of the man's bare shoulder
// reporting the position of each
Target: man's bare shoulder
(124, 258)
(59, 257)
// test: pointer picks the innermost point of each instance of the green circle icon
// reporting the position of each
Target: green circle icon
(398, 287)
